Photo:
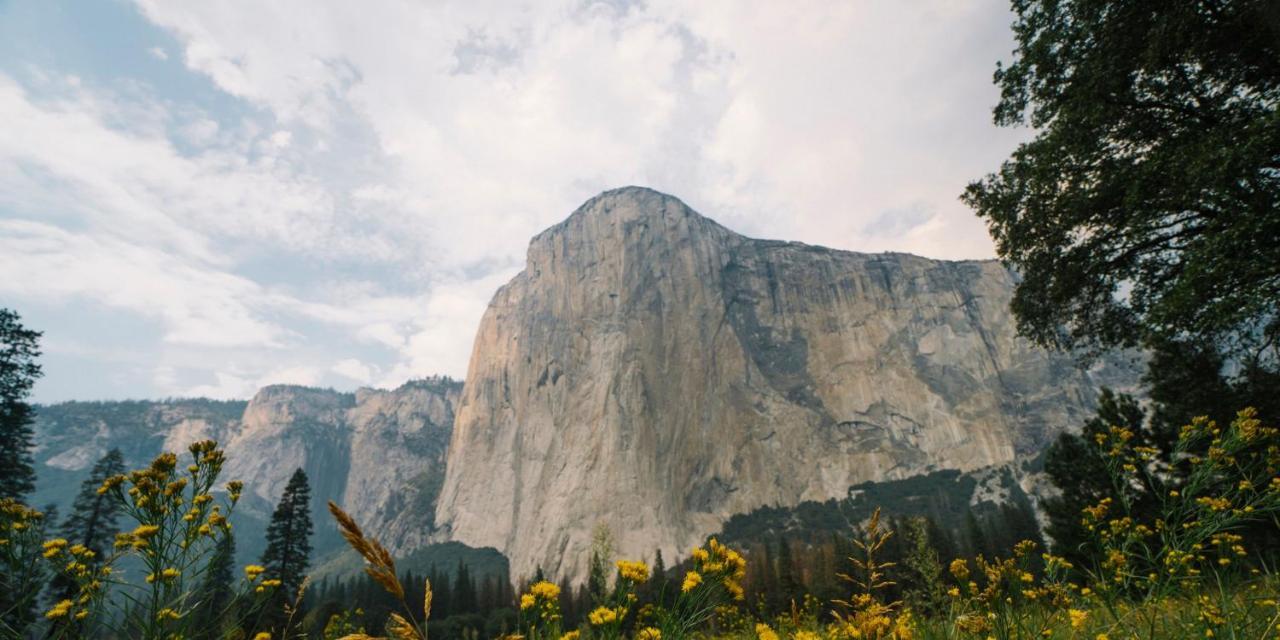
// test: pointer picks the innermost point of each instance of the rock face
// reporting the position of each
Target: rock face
(380, 454)
(655, 372)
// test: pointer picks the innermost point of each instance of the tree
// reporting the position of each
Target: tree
(658, 580)
(1074, 464)
(601, 559)
(789, 587)
(19, 349)
(288, 550)
(925, 590)
(92, 521)
(1148, 203)
(217, 588)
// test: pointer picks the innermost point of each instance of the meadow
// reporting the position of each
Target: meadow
(1189, 568)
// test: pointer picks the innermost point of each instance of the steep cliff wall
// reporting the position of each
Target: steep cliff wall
(655, 372)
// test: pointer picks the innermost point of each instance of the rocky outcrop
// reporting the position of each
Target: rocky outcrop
(380, 454)
(657, 373)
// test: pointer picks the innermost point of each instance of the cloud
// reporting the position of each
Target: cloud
(196, 306)
(344, 186)
(354, 370)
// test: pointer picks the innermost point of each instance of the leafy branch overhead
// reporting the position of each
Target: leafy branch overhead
(1148, 202)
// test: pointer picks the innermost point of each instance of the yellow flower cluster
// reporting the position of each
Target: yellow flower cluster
(691, 581)
(251, 572)
(633, 570)
(545, 590)
(716, 562)
(763, 632)
(59, 610)
(542, 603)
(602, 616)
(649, 633)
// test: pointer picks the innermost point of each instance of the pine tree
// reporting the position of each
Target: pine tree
(788, 586)
(464, 591)
(658, 581)
(288, 550)
(217, 588)
(19, 348)
(92, 521)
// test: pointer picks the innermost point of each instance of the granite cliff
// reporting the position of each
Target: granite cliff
(379, 453)
(657, 373)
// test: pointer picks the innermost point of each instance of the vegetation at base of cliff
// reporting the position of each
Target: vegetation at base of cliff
(1191, 560)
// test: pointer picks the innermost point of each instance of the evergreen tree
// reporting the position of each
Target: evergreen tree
(92, 521)
(925, 590)
(464, 590)
(217, 588)
(789, 588)
(19, 348)
(979, 544)
(597, 579)
(658, 580)
(1075, 465)
(288, 552)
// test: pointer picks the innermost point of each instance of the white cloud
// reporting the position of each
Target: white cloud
(196, 306)
(354, 370)
(386, 162)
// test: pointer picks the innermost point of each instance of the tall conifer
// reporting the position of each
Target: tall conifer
(19, 348)
(288, 552)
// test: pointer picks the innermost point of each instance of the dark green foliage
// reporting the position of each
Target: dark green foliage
(597, 578)
(1074, 465)
(1148, 203)
(93, 518)
(1077, 467)
(789, 588)
(1186, 379)
(19, 349)
(217, 589)
(465, 601)
(288, 552)
(925, 590)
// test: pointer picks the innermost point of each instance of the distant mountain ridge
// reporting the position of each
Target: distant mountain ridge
(379, 453)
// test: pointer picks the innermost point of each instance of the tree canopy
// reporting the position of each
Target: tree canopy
(1148, 201)
(19, 350)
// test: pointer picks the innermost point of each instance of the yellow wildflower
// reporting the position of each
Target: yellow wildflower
(251, 572)
(649, 633)
(545, 590)
(527, 601)
(145, 531)
(763, 632)
(1078, 617)
(602, 616)
(691, 581)
(59, 610)
(633, 570)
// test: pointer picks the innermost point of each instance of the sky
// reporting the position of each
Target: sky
(202, 198)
